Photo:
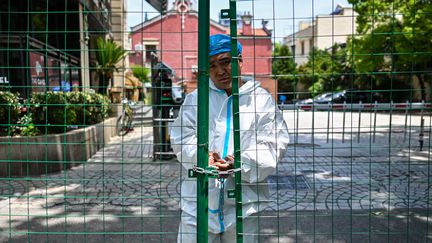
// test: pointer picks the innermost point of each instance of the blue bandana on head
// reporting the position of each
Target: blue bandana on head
(222, 43)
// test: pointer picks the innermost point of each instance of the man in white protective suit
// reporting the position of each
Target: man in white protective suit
(264, 139)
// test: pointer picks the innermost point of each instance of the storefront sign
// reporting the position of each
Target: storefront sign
(37, 72)
(38, 81)
(4, 80)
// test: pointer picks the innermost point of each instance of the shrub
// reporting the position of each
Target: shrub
(91, 108)
(9, 112)
(51, 112)
(142, 73)
(55, 112)
(26, 126)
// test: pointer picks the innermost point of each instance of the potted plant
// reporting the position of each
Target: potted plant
(108, 55)
(142, 73)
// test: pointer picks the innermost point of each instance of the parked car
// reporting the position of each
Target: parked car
(321, 98)
(350, 96)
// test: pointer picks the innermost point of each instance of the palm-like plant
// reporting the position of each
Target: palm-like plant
(142, 73)
(108, 54)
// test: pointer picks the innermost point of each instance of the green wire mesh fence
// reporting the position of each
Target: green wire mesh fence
(90, 92)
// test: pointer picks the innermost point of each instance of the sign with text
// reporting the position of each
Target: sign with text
(37, 73)
(4, 80)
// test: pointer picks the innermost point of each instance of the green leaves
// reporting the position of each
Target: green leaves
(283, 68)
(142, 73)
(9, 112)
(394, 38)
(26, 126)
(326, 70)
(55, 112)
(108, 54)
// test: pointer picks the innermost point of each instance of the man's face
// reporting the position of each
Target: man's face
(220, 70)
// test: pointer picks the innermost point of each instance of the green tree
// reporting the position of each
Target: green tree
(283, 68)
(326, 70)
(108, 55)
(394, 40)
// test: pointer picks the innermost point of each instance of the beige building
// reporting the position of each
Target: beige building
(124, 82)
(322, 33)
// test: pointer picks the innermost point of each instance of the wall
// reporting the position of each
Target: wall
(332, 29)
(23, 156)
(304, 35)
(326, 31)
(120, 35)
(179, 48)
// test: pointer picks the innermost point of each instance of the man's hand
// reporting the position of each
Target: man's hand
(229, 159)
(221, 164)
(224, 165)
(214, 158)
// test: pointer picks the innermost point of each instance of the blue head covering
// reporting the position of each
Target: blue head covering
(222, 43)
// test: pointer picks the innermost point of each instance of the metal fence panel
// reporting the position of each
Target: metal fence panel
(80, 162)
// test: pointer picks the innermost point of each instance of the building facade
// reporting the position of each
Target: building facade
(322, 33)
(124, 84)
(47, 45)
(174, 37)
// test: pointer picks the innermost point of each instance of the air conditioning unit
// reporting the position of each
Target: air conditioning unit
(138, 47)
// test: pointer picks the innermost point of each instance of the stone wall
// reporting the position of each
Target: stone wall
(24, 156)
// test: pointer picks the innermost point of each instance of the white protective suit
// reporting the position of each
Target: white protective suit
(264, 139)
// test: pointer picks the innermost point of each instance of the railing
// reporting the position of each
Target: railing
(336, 119)
(358, 106)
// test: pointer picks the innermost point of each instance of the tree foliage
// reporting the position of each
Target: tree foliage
(283, 68)
(326, 70)
(394, 40)
(108, 55)
(57, 112)
(9, 112)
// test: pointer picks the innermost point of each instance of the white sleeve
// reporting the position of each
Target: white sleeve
(260, 159)
(183, 133)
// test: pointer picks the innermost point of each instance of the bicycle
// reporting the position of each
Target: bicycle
(124, 122)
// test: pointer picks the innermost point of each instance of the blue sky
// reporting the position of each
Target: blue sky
(283, 15)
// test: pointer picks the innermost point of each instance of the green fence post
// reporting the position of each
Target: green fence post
(236, 120)
(203, 119)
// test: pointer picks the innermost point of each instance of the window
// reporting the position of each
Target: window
(53, 74)
(75, 78)
(37, 71)
(302, 48)
(65, 84)
(148, 50)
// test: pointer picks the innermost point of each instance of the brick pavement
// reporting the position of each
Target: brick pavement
(122, 182)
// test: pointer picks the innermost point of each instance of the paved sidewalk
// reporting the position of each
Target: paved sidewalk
(351, 191)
